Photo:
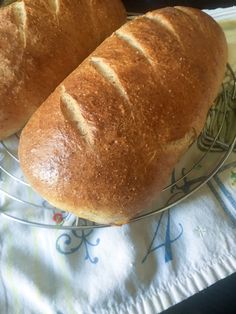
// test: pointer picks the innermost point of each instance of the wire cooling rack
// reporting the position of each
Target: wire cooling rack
(18, 202)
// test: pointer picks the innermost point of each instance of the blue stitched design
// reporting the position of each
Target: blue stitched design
(168, 241)
(228, 197)
(76, 240)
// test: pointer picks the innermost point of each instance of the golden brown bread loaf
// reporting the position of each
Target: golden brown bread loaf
(103, 145)
(41, 42)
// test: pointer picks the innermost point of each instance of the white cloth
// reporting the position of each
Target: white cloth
(144, 267)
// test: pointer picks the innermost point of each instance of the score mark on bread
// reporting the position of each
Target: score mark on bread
(134, 43)
(20, 16)
(164, 22)
(54, 5)
(190, 14)
(109, 74)
(106, 71)
(72, 112)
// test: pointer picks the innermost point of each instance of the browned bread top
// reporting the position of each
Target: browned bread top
(104, 143)
(41, 42)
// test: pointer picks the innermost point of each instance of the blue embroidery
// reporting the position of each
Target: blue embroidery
(168, 241)
(64, 243)
(227, 195)
(219, 199)
(183, 187)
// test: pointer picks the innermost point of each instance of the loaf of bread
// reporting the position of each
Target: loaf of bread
(41, 42)
(103, 145)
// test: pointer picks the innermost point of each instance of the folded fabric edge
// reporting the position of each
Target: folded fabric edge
(184, 287)
(222, 13)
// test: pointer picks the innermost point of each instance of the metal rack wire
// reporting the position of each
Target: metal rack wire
(200, 163)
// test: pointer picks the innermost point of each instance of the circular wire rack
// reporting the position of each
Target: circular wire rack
(19, 203)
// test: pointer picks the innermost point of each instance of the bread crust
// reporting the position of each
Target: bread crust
(43, 41)
(125, 116)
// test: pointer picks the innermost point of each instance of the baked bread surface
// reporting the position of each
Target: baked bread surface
(41, 42)
(103, 145)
